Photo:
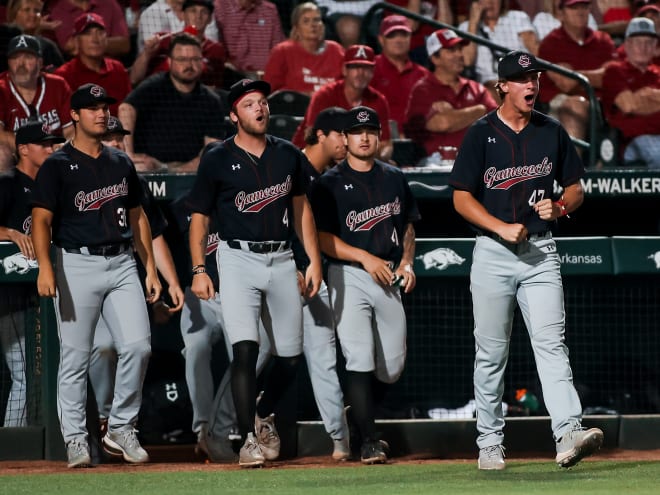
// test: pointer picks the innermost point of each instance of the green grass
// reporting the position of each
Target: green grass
(602, 478)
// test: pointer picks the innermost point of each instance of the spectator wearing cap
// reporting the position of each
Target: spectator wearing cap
(251, 29)
(26, 16)
(27, 94)
(437, 10)
(509, 28)
(394, 73)
(91, 65)
(306, 61)
(351, 91)
(444, 104)
(631, 94)
(576, 46)
(172, 115)
(33, 146)
(550, 18)
(67, 11)
(197, 14)
(166, 16)
(650, 10)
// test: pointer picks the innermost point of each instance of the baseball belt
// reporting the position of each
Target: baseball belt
(101, 250)
(259, 247)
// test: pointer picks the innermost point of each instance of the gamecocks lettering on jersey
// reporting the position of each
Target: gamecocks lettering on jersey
(366, 219)
(212, 242)
(254, 202)
(97, 198)
(27, 225)
(505, 178)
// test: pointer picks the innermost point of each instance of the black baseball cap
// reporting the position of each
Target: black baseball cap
(204, 3)
(330, 119)
(361, 117)
(115, 127)
(517, 63)
(245, 86)
(35, 133)
(89, 95)
(24, 43)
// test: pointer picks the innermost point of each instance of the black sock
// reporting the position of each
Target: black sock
(279, 379)
(359, 392)
(244, 384)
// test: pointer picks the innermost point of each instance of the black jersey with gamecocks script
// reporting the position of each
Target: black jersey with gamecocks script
(250, 196)
(368, 210)
(90, 197)
(509, 172)
(15, 209)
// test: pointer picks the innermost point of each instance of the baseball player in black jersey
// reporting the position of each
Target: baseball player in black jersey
(503, 186)
(87, 201)
(33, 146)
(253, 184)
(103, 361)
(364, 210)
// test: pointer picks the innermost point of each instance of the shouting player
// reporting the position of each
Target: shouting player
(87, 200)
(254, 185)
(365, 209)
(503, 186)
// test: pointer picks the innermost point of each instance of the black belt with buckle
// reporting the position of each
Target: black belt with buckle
(260, 247)
(101, 250)
(532, 236)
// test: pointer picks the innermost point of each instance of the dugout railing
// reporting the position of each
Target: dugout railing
(600, 147)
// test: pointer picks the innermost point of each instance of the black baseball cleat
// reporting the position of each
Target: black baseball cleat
(374, 452)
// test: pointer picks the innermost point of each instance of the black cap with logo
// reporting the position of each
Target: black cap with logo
(89, 95)
(362, 117)
(516, 63)
(36, 133)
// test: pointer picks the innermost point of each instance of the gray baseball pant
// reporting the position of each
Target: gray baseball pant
(12, 340)
(88, 287)
(530, 275)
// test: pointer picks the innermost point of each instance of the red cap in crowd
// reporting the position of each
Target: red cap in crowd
(359, 55)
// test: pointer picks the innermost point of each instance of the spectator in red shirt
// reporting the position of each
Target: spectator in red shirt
(575, 46)
(443, 104)
(197, 15)
(306, 61)
(251, 28)
(438, 10)
(67, 11)
(27, 94)
(91, 65)
(631, 94)
(395, 74)
(352, 91)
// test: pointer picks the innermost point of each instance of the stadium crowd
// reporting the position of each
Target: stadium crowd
(425, 85)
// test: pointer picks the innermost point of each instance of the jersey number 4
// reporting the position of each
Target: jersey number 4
(285, 218)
